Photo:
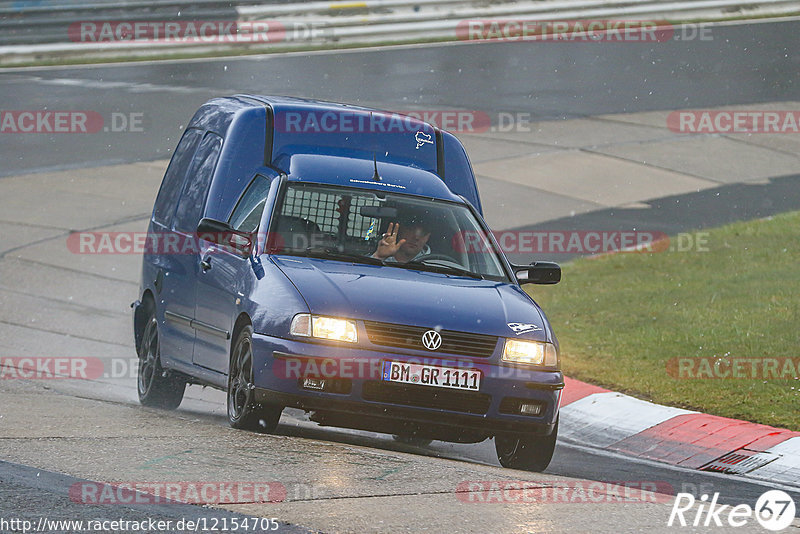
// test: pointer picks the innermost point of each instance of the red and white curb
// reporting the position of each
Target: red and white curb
(595, 416)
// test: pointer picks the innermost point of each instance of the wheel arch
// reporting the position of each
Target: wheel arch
(141, 314)
(241, 321)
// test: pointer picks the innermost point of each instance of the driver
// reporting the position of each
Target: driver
(404, 243)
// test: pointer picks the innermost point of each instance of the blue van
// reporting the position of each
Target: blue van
(334, 258)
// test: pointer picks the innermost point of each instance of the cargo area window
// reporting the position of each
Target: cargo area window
(198, 181)
(174, 177)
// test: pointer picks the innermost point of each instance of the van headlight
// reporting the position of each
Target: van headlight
(530, 352)
(322, 327)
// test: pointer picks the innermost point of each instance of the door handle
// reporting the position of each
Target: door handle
(205, 264)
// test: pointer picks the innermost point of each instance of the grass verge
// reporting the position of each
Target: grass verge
(622, 319)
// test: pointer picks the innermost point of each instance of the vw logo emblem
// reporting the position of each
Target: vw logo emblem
(432, 340)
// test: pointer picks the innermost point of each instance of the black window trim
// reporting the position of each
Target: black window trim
(241, 197)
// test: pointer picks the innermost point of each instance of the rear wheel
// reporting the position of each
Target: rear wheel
(243, 411)
(529, 453)
(156, 387)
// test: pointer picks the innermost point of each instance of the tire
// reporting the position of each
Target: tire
(529, 453)
(243, 412)
(156, 387)
(412, 440)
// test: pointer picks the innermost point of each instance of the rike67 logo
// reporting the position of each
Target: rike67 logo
(774, 510)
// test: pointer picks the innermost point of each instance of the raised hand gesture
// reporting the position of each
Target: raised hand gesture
(389, 245)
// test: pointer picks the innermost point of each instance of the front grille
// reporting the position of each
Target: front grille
(410, 337)
(427, 397)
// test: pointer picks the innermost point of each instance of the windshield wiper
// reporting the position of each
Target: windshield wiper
(332, 253)
(446, 269)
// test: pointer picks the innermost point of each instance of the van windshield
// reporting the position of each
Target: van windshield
(400, 231)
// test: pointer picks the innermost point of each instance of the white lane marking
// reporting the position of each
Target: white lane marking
(131, 87)
(364, 48)
(602, 419)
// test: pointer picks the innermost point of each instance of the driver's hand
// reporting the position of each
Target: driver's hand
(389, 245)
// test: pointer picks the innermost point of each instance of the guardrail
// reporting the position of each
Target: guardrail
(50, 23)
(41, 31)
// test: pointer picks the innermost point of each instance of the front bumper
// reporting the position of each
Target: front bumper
(354, 395)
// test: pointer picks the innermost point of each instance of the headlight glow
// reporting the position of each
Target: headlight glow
(530, 352)
(333, 328)
(322, 327)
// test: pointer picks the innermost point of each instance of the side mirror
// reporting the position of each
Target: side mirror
(538, 272)
(222, 234)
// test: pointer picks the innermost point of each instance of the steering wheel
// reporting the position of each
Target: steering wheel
(443, 257)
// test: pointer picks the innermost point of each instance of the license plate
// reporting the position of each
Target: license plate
(431, 375)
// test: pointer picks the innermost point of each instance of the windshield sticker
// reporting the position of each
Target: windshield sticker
(423, 138)
(521, 328)
(372, 182)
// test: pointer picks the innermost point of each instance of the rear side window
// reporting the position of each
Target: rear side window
(173, 179)
(198, 181)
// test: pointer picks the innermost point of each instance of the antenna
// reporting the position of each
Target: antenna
(375, 177)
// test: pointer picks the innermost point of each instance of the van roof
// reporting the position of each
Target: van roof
(311, 140)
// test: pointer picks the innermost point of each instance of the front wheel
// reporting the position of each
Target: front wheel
(243, 411)
(529, 453)
(156, 387)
